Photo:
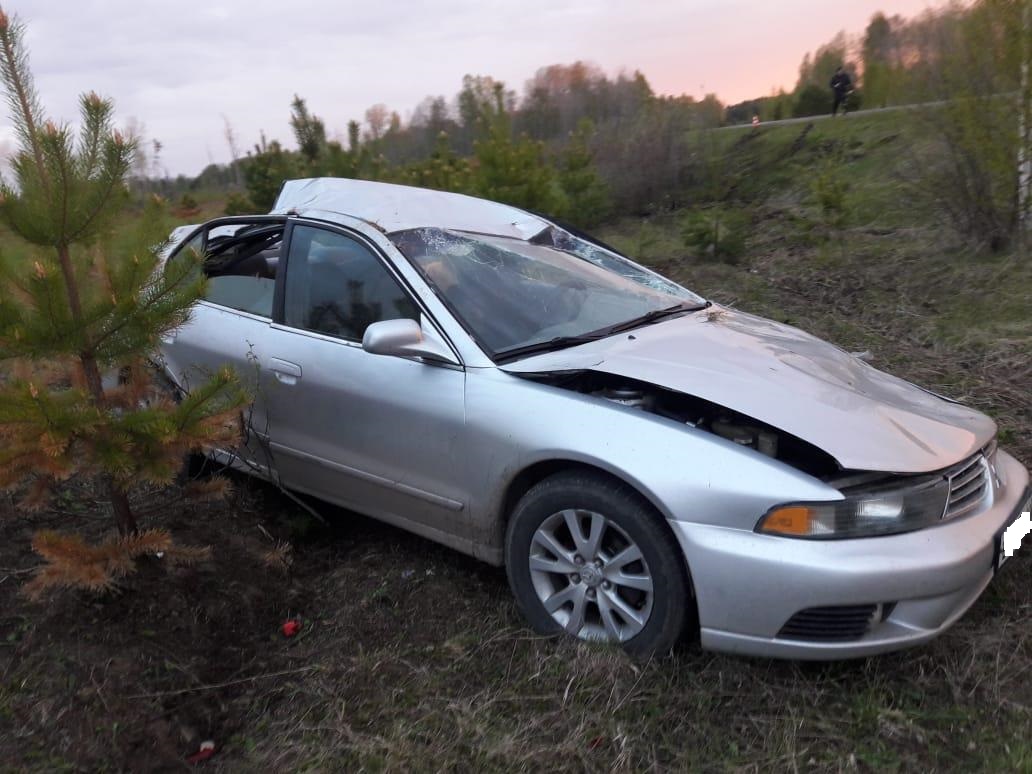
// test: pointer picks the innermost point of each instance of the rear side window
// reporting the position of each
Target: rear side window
(241, 267)
(338, 286)
(241, 262)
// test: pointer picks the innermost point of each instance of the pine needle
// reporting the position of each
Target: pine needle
(72, 563)
(211, 489)
(279, 558)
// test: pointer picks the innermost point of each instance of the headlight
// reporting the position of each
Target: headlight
(862, 515)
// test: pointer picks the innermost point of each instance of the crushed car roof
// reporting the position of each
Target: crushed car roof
(400, 207)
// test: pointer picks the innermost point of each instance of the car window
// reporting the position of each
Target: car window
(510, 293)
(337, 286)
(241, 261)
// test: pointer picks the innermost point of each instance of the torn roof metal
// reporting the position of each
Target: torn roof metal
(392, 207)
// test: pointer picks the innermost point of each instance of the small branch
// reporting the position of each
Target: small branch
(227, 684)
(23, 92)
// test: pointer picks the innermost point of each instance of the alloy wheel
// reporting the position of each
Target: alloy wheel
(590, 576)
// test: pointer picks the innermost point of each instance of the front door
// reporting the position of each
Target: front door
(375, 433)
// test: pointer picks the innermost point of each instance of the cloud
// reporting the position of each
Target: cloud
(180, 67)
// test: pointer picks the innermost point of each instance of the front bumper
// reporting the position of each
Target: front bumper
(748, 585)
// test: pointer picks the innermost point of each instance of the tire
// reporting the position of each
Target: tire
(622, 580)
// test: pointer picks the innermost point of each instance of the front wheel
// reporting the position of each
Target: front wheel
(585, 555)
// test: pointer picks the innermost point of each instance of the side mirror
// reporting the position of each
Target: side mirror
(406, 338)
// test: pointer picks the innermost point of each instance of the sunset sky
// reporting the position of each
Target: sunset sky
(179, 68)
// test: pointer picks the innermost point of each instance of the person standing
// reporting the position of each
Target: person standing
(841, 85)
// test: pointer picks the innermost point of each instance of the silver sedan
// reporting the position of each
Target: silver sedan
(643, 462)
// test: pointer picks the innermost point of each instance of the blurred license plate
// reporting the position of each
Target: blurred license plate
(1008, 539)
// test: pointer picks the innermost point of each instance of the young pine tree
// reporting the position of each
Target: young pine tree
(586, 201)
(444, 170)
(83, 301)
(513, 171)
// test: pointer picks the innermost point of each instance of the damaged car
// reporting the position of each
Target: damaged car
(645, 463)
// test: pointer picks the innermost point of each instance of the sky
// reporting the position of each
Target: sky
(180, 70)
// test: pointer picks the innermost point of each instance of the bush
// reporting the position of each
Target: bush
(715, 233)
(829, 189)
(238, 204)
(813, 100)
(971, 170)
(187, 206)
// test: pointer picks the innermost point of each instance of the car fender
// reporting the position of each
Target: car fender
(687, 473)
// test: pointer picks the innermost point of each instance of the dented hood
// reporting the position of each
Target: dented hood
(864, 418)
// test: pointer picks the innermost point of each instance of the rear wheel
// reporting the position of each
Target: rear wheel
(588, 556)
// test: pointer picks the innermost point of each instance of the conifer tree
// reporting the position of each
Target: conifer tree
(511, 171)
(84, 300)
(586, 202)
(443, 170)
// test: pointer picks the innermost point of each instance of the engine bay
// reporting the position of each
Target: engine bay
(698, 413)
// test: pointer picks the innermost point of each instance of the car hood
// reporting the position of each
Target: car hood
(864, 418)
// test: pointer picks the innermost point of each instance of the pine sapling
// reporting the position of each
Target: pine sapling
(84, 301)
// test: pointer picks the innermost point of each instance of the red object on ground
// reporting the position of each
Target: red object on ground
(206, 750)
(291, 627)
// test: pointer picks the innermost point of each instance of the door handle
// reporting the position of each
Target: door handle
(285, 371)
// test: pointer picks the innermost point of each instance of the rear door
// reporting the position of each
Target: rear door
(230, 327)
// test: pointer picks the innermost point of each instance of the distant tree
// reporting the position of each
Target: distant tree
(156, 167)
(777, 106)
(970, 170)
(354, 140)
(812, 100)
(631, 95)
(443, 170)
(234, 151)
(475, 107)
(341, 162)
(187, 206)
(81, 302)
(743, 112)
(585, 200)
(876, 53)
(565, 94)
(238, 204)
(478, 98)
(709, 112)
(213, 176)
(377, 119)
(510, 170)
(643, 159)
(309, 132)
(265, 170)
(432, 114)
(817, 71)
(539, 114)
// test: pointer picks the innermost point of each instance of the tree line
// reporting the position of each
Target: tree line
(580, 145)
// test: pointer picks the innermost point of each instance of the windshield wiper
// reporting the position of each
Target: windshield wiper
(562, 342)
(559, 342)
(654, 316)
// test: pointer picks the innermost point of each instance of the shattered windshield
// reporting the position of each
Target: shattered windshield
(510, 294)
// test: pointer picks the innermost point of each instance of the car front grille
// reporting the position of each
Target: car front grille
(831, 624)
(969, 486)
